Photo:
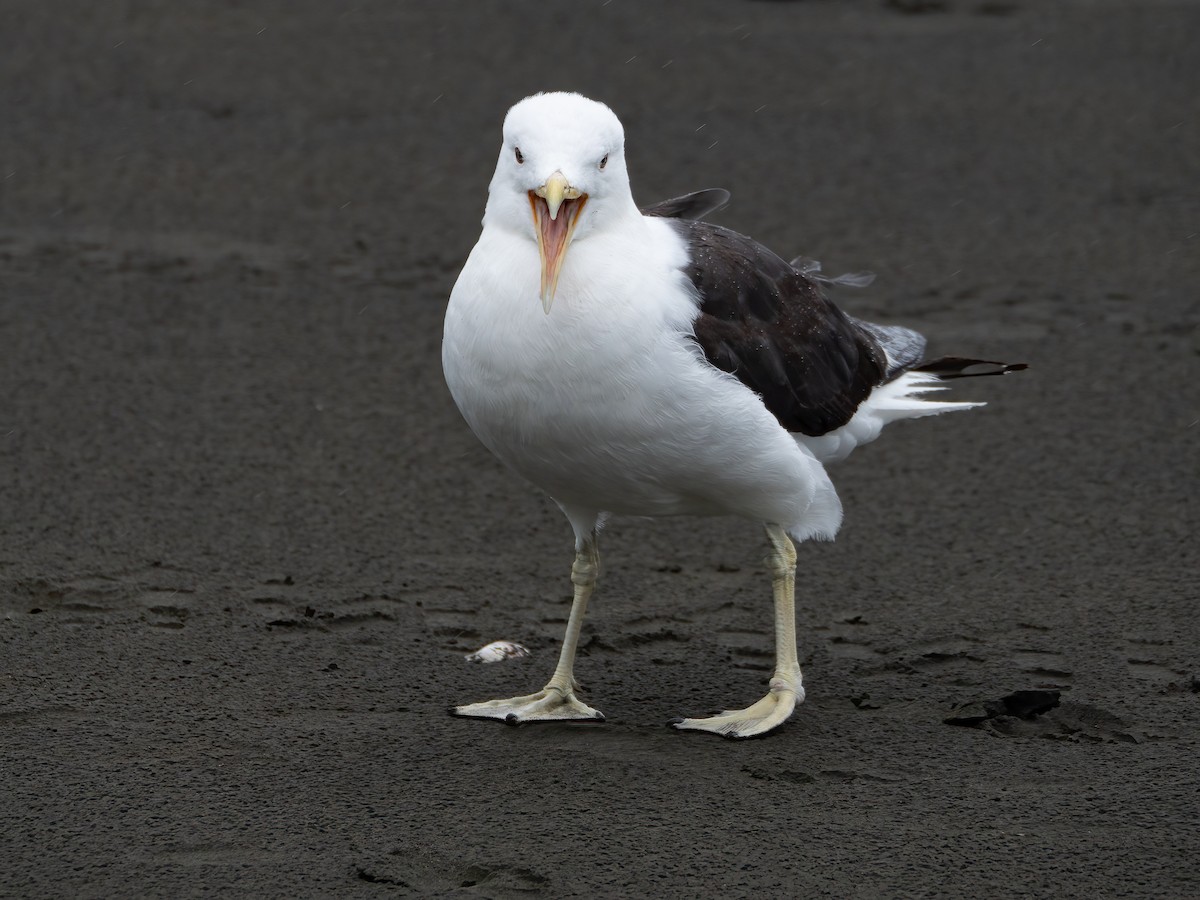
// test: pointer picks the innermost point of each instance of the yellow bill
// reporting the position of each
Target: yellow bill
(556, 208)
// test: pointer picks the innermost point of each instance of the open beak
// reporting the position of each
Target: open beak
(556, 208)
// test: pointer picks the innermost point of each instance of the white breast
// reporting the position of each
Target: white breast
(606, 403)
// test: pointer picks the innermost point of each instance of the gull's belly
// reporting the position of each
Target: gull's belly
(600, 448)
(650, 432)
(605, 403)
(580, 430)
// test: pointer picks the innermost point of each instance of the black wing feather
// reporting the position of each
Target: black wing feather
(695, 205)
(769, 325)
(964, 367)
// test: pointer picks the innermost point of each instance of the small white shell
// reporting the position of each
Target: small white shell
(497, 651)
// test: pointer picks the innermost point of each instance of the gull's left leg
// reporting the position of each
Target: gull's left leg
(787, 688)
(557, 700)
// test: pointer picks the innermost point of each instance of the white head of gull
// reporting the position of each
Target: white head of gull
(644, 362)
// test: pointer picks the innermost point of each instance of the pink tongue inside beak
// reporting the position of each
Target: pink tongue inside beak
(553, 236)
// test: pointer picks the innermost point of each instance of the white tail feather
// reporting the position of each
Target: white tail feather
(898, 399)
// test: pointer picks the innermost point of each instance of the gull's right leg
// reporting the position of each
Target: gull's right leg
(557, 700)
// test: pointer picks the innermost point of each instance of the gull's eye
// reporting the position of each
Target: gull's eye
(604, 161)
(517, 153)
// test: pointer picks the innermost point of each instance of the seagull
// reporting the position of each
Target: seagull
(648, 363)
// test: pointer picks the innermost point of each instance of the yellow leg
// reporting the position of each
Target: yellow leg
(787, 688)
(557, 700)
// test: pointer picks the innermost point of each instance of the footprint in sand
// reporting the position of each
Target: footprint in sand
(845, 639)
(1050, 668)
(422, 871)
(156, 594)
(754, 650)
(1143, 656)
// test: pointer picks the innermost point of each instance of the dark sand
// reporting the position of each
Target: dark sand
(246, 537)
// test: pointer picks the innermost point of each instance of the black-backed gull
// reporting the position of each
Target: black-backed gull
(644, 362)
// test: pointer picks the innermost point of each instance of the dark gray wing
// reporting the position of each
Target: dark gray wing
(769, 325)
(695, 205)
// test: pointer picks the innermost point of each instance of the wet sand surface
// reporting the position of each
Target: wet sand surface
(246, 539)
